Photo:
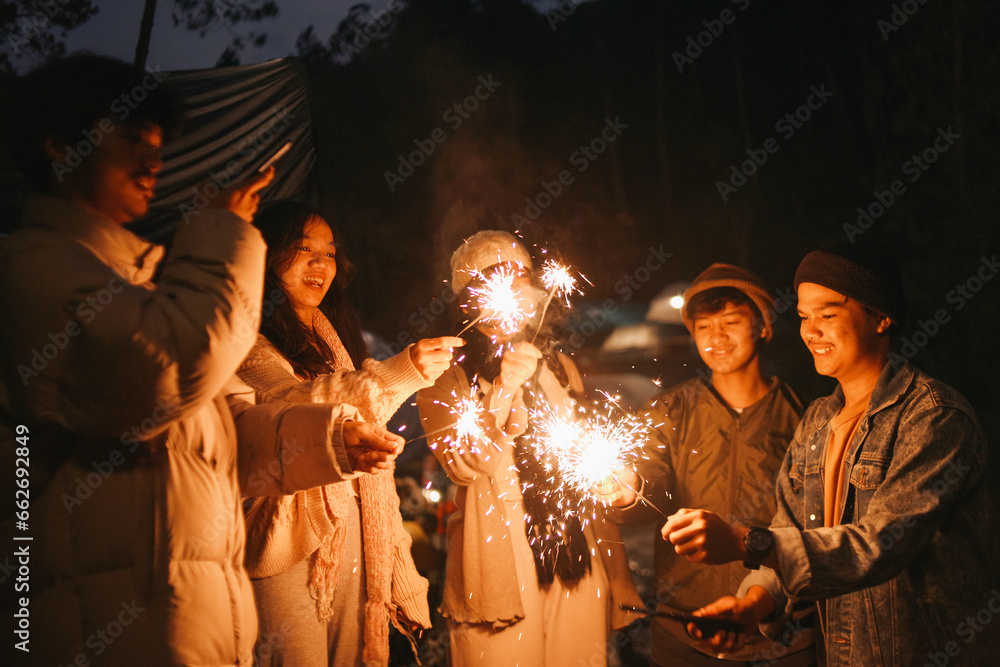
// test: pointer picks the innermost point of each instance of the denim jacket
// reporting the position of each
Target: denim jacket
(910, 575)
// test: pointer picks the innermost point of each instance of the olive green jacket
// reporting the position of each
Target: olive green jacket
(705, 455)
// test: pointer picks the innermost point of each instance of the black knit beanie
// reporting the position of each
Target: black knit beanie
(867, 274)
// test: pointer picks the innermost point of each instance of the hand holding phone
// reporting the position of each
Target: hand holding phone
(274, 158)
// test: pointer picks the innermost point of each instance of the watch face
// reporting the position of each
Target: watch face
(758, 540)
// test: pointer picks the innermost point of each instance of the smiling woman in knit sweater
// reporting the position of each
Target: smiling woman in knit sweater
(330, 566)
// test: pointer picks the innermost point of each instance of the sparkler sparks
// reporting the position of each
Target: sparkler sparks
(588, 448)
(499, 301)
(468, 425)
(557, 280)
(468, 420)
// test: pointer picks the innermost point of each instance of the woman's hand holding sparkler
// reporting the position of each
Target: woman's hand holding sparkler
(618, 489)
(518, 364)
(432, 356)
(370, 448)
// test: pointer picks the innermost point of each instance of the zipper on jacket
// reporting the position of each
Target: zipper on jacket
(734, 449)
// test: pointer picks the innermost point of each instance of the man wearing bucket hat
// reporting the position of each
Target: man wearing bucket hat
(718, 444)
(883, 514)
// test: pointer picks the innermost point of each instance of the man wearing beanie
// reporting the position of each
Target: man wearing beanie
(883, 518)
(718, 444)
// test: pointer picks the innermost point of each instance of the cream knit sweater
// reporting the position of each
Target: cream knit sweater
(283, 530)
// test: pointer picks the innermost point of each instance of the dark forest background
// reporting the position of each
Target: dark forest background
(698, 84)
(566, 68)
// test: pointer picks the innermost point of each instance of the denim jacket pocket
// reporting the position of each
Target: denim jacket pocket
(796, 480)
(868, 474)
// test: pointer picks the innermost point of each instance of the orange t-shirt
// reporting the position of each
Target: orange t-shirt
(843, 426)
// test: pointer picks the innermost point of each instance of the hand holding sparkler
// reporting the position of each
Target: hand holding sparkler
(557, 279)
(432, 356)
(370, 448)
(618, 489)
(518, 364)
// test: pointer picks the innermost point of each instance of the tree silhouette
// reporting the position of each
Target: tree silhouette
(32, 32)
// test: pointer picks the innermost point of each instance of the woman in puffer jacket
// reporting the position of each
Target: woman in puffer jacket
(330, 566)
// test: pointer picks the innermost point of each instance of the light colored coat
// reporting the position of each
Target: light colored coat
(481, 583)
(135, 517)
(284, 530)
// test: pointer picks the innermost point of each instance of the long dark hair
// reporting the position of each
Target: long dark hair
(283, 225)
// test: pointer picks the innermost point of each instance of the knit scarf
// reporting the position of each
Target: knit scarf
(378, 505)
(557, 540)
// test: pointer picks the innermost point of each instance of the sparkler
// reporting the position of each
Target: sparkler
(590, 447)
(468, 425)
(557, 279)
(498, 300)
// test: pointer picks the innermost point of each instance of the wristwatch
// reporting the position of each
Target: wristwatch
(759, 542)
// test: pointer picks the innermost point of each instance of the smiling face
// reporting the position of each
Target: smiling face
(847, 342)
(117, 179)
(727, 339)
(310, 270)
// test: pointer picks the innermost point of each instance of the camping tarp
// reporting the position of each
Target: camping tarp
(235, 119)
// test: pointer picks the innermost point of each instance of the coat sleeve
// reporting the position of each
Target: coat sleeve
(463, 461)
(377, 390)
(287, 447)
(129, 352)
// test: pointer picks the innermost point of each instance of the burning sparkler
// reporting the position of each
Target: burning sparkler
(557, 280)
(498, 300)
(468, 425)
(590, 446)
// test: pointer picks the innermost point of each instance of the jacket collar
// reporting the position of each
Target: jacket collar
(751, 410)
(891, 385)
(133, 258)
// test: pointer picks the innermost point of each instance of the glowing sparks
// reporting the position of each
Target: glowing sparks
(588, 447)
(499, 301)
(466, 432)
(468, 420)
(558, 280)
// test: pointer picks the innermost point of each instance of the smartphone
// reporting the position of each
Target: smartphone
(274, 158)
(708, 626)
